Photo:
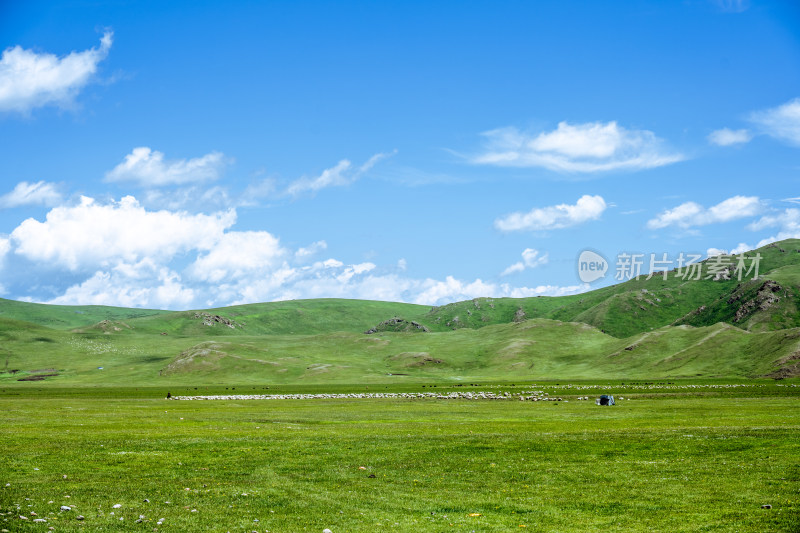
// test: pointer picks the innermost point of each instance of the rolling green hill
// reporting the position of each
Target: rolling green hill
(295, 317)
(643, 328)
(68, 316)
(640, 305)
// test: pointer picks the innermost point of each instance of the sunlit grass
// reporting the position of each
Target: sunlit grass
(706, 461)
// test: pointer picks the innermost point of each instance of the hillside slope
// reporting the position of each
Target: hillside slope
(295, 317)
(645, 328)
(623, 309)
(530, 350)
(69, 316)
(640, 305)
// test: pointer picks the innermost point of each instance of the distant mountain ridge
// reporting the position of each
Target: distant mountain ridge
(620, 310)
(642, 327)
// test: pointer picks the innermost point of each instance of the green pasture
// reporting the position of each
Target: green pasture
(671, 456)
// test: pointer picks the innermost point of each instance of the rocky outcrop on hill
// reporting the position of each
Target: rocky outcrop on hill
(789, 367)
(110, 326)
(398, 324)
(210, 320)
(767, 296)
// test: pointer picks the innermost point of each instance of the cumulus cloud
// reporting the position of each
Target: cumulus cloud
(739, 249)
(554, 217)
(91, 234)
(29, 80)
(148, 168)
(239, 254)
(691, 214)
(782, 122)
(451, 289)
(530, 259)
(586, 148)
(344, 173)
(728, 137)
(119, 253)
(141, 285)
(39, 193)
(713, 252)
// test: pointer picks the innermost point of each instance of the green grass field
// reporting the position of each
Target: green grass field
(701, 441)
(685, 456)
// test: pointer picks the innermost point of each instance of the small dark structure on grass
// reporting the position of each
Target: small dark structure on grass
(605, 399)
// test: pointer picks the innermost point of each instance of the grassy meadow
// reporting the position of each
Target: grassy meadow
(707, 437)
(680, 456)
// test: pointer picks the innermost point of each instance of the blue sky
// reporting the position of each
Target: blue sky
(203, 154)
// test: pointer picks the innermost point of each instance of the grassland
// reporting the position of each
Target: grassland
(686, 456)
(89, 427)
(533, 349)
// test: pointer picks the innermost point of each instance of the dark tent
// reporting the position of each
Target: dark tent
(605, 399)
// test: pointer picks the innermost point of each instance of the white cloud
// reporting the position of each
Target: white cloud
(5, 247)
(402, 264)
(329, 263)
(39, 193)
(122, 254)
(331, 177)
(238, 254)
(554, 217)
(194, 198)
(741, 248)
(29, 80)
(728, 137)
(141, 285)
(519, 266)
(147, 168)
(530, 259)
(782, 122)
(450, 290)
(779, 237)
(90, 234)
(257, 191)
(788, 220)
(546, 290)
(334, 279)
(338, 176)
(589, 147)
(713, 252)
(372, 161)
(691, 214)
(354, 270)
(313, 249)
